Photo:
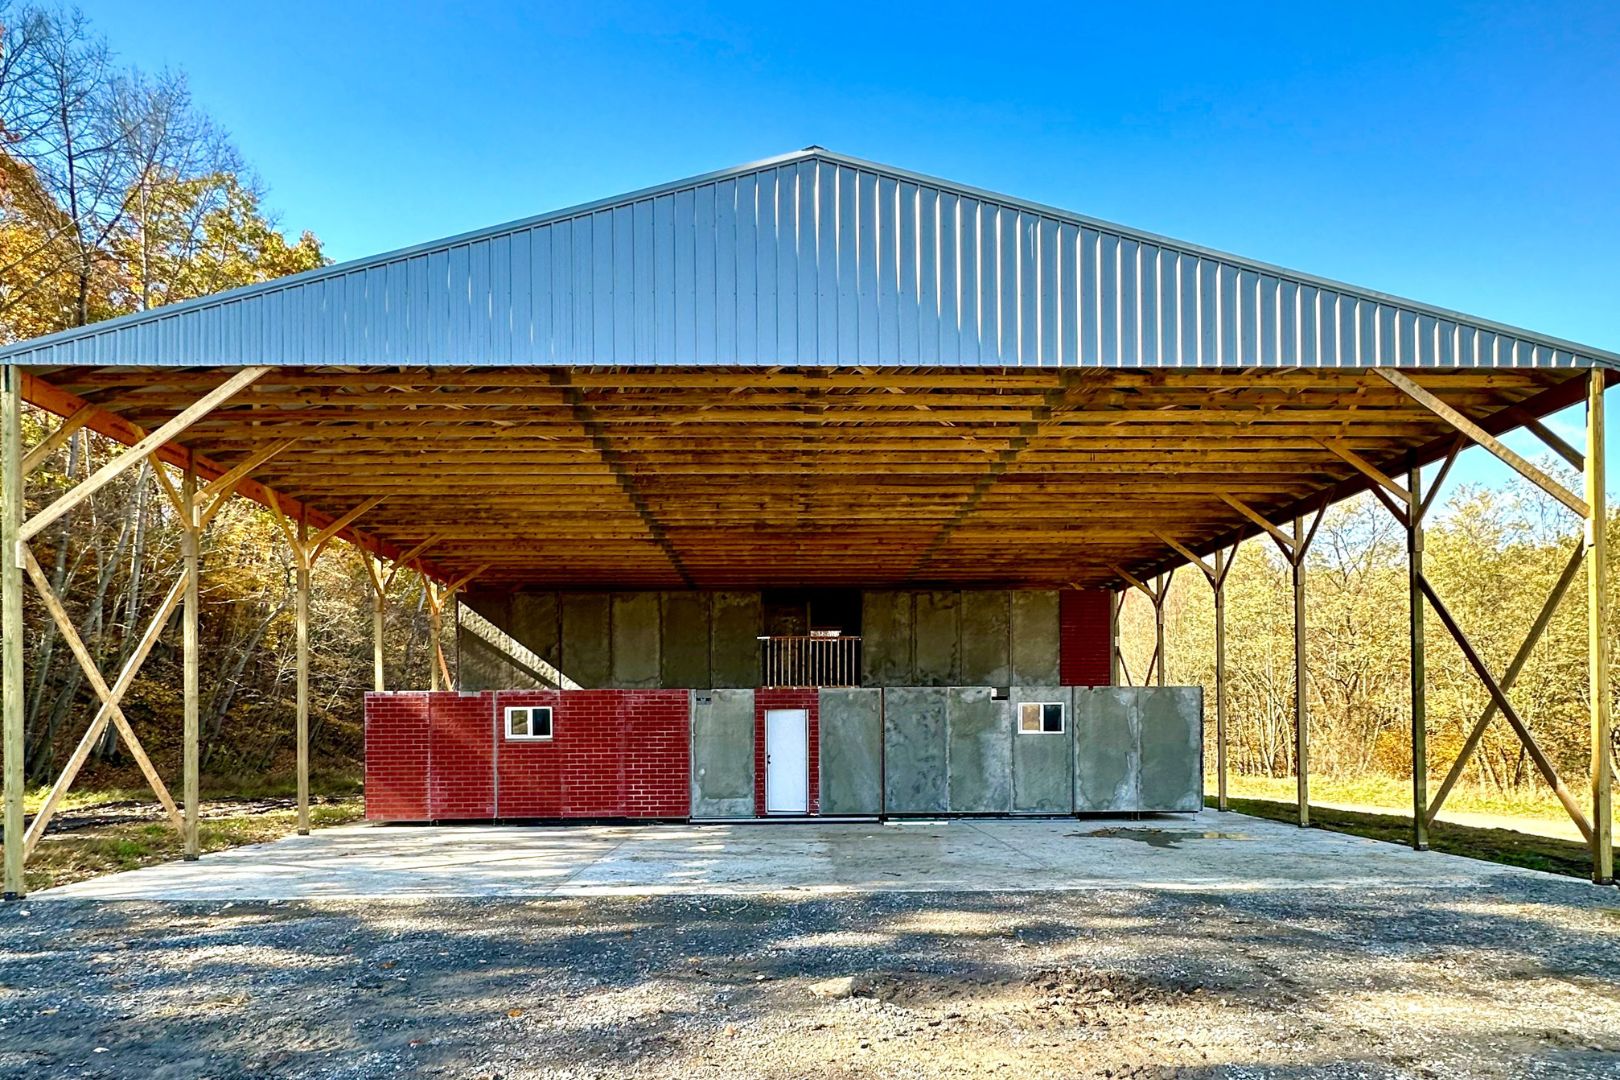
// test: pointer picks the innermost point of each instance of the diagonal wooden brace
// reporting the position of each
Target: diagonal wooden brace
(135, 454)
(1543, 765)
(132, 666)
(1509, 677)
(1486, 439)
(75, 644)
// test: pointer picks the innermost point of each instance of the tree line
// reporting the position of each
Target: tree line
(119, 193)
(1493, 555)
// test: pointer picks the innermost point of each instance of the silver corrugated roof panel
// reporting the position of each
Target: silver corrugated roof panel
(811, 258)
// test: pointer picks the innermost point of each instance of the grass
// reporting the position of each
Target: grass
(1395, 794)
(1493, 845)
(67, 856)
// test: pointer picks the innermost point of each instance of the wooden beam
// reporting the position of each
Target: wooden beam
(1302, 757)
(1597, 635)
(1285, 541)
(301, 642)
(11, 625)
(379, 598)
(1210, 571)
(1366, 468)
(120, 464)
(47, 446)
(319, 542)
(1487, 440)
(223, 486)
(1217, 581)
(190, 663)
(1417, 665)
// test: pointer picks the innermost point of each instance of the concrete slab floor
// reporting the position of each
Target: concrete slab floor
(1203, 851)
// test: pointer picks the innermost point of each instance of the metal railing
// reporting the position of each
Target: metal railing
(811, 660)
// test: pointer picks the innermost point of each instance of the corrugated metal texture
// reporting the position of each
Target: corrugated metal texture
(810, 259)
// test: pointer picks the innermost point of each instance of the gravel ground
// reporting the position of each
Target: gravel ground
(1519, 979)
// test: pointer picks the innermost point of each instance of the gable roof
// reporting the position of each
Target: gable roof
(810, 258)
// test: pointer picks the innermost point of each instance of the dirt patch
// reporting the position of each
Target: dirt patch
(1520, 978)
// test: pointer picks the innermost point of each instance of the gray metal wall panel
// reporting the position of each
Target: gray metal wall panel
(815, 259)
(723, 753)
(1042, 764)
(938, 631)
(684, 639)
(735, 621)
(1035, 639)
(636, 664)
(587, 641)
(535, 624)
(851, 750)
(1107, 755)
(915, 780)
(979, 756)
(1172, 741)
(886, 638)
(985, 637)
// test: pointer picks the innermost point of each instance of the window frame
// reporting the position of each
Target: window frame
(1042, 729)
(531, 710)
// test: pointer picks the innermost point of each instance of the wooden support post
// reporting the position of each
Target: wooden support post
(1218, 582)
(378, 600)
(1597, 621)
(301, 607)
(1302, 756)
(190, 543)
(11, 624)
(1115, 598)
(1162, 583)
(435, 630)
(1417, 666)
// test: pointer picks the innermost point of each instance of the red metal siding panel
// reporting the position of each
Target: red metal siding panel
(461, 781)
(1085, 636)
(397, 761)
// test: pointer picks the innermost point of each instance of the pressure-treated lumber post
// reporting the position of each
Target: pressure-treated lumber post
(378, 680)
(301, 556)
(1115, 598)
(1597, 621)
(378, 599)
(1219, 584)
(435, 630)
(1161, 584)
(1302, 755)
(11, 623)
(1417, 665)
(190, 541)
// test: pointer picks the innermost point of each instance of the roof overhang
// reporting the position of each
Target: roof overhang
(747, 478)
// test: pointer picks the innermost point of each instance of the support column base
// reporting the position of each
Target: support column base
(303, 832)
(188, 858)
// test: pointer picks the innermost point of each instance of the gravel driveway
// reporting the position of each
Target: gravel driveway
(1518, 976)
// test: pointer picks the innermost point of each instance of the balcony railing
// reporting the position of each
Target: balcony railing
(811, 660)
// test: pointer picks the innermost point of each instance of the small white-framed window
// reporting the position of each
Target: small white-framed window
(1040, 718)
(528, 721)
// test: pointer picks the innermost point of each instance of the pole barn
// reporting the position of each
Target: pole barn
(811, 486)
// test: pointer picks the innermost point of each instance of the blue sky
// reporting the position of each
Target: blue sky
(1463, 154)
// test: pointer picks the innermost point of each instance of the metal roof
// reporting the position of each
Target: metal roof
(811, 258)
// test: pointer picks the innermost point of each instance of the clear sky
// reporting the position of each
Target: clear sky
(1465, 154)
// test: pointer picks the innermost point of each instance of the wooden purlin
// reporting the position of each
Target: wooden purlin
(762, 477)
(42, 394)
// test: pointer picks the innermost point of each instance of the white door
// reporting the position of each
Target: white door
(787, 761)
